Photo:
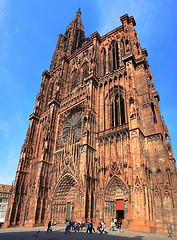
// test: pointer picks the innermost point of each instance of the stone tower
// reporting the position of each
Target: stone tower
(97, 147)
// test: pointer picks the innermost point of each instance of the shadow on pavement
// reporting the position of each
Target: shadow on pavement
(60, 235)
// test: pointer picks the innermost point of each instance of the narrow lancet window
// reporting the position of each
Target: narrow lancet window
(153, 112)
(85, 71)
(122, 110)
(115, 55)
(74, 81)
(104, 61)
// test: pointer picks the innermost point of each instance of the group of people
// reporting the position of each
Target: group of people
(76, 226)
(101, 227)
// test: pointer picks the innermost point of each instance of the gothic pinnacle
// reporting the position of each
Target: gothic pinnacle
(78, 12)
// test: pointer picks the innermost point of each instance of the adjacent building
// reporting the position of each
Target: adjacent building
(5, 192)
(97, 146)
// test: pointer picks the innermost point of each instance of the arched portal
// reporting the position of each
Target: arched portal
(116, 200)
(63, 199)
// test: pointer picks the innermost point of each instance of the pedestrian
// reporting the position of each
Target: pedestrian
(102, 228)
(49, 228)
(79, 224)
(99, 227)
(89, 227)
(67, 229)
(77, 227)
(92, 226)
(112, 226)
(83, 224)
(116, 224)
(120, 226)
(72, 225)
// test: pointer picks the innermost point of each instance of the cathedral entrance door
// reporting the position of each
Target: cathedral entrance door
(120, 210)
(68, 213)
(115, 200)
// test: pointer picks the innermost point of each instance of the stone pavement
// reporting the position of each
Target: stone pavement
(22, 233)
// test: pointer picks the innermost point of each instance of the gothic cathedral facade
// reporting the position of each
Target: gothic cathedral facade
(97, 146)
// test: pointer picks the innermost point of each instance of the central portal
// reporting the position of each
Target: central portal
(63, 199)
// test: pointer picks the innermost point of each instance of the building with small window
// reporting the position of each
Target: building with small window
(97, 147)
(5, 192)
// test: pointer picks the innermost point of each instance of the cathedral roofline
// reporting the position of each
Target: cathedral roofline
(128, 19)
(96, 35)
(99, 38)
(118, 29)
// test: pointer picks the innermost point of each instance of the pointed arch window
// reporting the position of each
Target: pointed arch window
(122, 49)
(127, 45)
(85, 70)
(103, 61)
(74, 81)
(49, 94)
(117, 110)
(113, 56)
(153, 112)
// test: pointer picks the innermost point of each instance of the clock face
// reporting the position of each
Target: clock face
(72, 126)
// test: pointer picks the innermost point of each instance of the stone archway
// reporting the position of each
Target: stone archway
(62, 206)
(115, 194)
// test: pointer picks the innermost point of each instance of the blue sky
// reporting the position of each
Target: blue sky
(28, 35)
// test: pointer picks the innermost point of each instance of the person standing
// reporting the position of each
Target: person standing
(103, 227)
(83, 224)
(112, 226)
(89, 227)
(67, 227)
(49, 226)
(119, 226)
(92, 226)
(72, 225)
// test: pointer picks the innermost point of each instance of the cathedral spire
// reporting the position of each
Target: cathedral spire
(71, 41)
(76, 22)
(78, 12)
(75, 34)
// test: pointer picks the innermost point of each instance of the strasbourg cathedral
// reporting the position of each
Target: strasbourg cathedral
(97, 146)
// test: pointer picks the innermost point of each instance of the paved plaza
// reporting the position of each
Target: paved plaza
(22, 233)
